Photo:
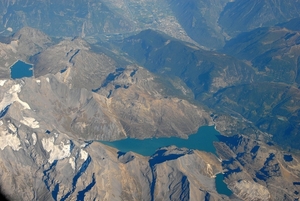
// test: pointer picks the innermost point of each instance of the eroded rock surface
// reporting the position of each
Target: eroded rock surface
(258, 171)
(49, 125)
(55, 167)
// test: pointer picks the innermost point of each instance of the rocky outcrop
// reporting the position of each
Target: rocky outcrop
(20, 46)
(42, 166)
(258, 171)
(188, 181)
(50, 124)
(87, 94)
(250, 190)
(137, 99)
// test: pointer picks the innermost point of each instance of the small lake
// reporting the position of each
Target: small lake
(221, 186)
(202, 140)
(21, 69)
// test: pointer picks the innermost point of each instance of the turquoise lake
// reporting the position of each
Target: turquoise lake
(21, 69)
(202, 140)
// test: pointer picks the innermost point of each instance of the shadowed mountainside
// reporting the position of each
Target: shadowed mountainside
(243, 15)
(148, 74)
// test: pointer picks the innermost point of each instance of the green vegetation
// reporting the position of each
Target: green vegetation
(272, 107)
(197, 68)
(263, 93)
(244, 15)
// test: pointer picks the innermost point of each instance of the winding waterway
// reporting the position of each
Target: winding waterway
(202, 140)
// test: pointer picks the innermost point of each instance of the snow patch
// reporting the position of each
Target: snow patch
(12, 96)
(30, 122)
(34, 138)
(84, 145)
(9, 29)
(13, 46)
(209, 170)
(83, 154)
(167, 42)
(11, 140)
(72, 162)
(2, 82)
(15, 89)
(47, 78)
(1, 122)
(12, 127)
(56, 135)
(56, 152)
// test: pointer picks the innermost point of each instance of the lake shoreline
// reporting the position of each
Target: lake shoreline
(202, 140)
(21, 69)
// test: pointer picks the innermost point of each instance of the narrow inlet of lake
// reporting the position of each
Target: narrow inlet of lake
(202, 140)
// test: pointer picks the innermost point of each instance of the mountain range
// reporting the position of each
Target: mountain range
(108, 70)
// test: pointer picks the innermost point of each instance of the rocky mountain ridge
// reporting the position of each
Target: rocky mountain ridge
(56, 167)
(49, 124)
(273, 171)
(146, 75)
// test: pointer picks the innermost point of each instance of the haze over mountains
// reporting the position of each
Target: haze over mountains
(108, 70)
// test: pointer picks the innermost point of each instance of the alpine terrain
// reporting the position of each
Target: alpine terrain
(100, 72)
